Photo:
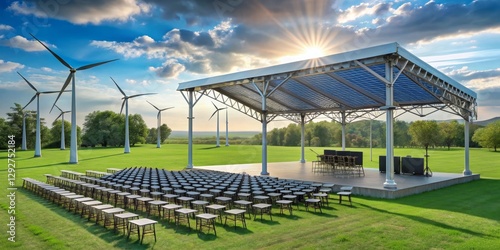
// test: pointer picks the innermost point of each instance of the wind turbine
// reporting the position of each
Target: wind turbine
(125, 102)
(158, 117)
(217, 111)
(63, 146)
(38, 144)
(73, 155)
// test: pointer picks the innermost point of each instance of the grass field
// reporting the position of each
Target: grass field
(464, 216)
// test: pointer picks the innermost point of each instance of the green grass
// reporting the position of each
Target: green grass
(463, 216)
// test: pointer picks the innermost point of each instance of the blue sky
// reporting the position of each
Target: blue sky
(162, 43)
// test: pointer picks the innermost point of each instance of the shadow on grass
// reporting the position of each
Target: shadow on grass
(118, 239)
(238, 229)
(207, 148)
(423, 220)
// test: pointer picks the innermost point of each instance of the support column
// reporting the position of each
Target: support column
(302, 138)
(466, 148)
(190, 129)
(389, 95)
(343, 130)
(264, 139)
(227, 131)
(38, 143)
(371, 145)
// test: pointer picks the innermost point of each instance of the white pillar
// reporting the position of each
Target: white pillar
(73, 153)
(343, 130)
(63, 143)
(190, 129)
(38, 143)
(23, 144)
(302, 138)
(264, 139)
(227, 130)
(371, 145)
(127, 139)
(389, 90)
(466, 148)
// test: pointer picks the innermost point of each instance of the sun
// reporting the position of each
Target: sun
(313, 52)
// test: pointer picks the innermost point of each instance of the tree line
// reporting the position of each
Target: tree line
(107, 128)
(406, 134)
(101, 128)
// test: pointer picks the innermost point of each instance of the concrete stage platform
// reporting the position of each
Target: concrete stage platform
(370, 185)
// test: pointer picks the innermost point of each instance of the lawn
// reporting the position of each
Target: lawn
(459, 217)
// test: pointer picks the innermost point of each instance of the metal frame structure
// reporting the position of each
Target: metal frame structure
(345, 87)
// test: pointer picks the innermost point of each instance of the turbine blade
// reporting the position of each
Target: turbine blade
(153, 106)
(53, 53)
(123, 103)
(32, 98)
(94, 64)
(214, 106)
(28, 82)
(70, 76)
(57, 117)
(213, 114)
(166, 108)
(58, 108)
(123, 93)
(50, 92)
(132, 96)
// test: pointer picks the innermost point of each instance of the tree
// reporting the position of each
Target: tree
(4, 132)
(104, 128)
(489, 136)
(55, 133)
(292, 135)
(153, 134)
(449, 132)
(164, 132)
(323, 133)
(15, 123)
(138, 129)
(401, 136)
(425, 133)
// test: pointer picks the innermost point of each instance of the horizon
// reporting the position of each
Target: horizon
(162, 44)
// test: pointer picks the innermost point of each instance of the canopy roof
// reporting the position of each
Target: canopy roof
(352, 83)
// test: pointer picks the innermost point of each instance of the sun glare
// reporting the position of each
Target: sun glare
(313, 52)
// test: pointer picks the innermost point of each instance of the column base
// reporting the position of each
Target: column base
(390, 184)
(264, 173)
(467, 172)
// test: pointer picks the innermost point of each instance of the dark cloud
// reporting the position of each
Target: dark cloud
(196, 12)
(198, 39)
(433, 20)
(488, 96)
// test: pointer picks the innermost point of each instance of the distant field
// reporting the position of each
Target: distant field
(459, 217)
(204, 134)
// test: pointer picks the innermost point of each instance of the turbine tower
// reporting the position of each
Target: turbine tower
(63, 141)
(217, 111)
(73, 155)
(23, 143)
(38, 143)
(125, 102)
(158, 118)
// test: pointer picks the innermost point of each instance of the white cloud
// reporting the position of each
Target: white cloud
(81, 12)
(9, 66)
(24, 44)
(5, 27)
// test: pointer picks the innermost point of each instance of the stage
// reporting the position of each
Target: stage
(370, 185)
